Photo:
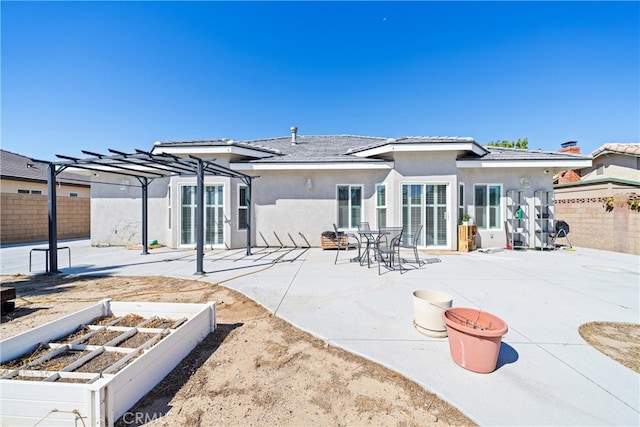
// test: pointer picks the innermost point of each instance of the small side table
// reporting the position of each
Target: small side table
(46, 251)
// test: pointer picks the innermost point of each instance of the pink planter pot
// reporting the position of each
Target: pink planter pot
(474, 338)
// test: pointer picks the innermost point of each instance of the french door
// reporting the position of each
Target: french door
(213, 214)
(426, 204)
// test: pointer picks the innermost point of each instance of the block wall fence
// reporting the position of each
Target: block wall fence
(593, 225)
(24, 218)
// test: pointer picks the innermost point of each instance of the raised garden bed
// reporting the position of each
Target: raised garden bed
(90, 367)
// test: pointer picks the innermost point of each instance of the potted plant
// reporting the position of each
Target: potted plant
(474, 337)
(467, 219)
(607, 204)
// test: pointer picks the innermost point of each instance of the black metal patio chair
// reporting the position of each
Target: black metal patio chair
(411, 242)
(387, 248)
(343, 241)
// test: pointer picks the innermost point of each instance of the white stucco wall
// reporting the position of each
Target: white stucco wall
(116, 214)
(284, 206)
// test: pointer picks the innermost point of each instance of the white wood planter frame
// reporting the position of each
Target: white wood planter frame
(104, 397)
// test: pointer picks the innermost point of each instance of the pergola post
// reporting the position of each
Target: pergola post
(145, 215)
(200, 219)
(52, 219)
(249, 204)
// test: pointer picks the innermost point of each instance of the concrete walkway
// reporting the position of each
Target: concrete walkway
(547, 375)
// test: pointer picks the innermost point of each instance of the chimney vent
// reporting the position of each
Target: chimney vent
(294, 132)
(570, 147)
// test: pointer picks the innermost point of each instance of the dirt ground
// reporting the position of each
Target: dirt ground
(256, 369)
(619, 341)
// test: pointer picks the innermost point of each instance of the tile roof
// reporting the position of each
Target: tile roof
(632, 149)
(413, 140)
(317, 148)
(501, 154)
(330, 148)
(341, 148)
(17, 166)
(216, 143)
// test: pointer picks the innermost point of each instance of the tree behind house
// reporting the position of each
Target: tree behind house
(521, 143)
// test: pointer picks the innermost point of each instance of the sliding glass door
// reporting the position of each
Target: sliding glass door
(426, 204)
(213, 214)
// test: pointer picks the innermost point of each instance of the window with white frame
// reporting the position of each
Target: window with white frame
(243, 206)
(349, 206)
(487, 203)
(381, 205)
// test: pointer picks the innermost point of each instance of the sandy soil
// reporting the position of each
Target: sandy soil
(255, 369)
(619, 341)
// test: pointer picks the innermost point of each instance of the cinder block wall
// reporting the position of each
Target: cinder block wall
(24, 217)
(592, 225)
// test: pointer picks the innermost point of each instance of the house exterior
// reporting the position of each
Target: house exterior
(305, 184)
(596, 204)
(614, 162)
(23, 201)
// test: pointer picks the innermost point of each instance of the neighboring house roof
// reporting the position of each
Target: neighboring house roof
(611, 180)
(620, 177)
(631, 149)
(367, 149)
(21, 168)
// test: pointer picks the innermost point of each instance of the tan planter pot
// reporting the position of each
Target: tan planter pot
(428, 306)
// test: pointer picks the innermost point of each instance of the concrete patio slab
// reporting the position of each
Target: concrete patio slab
(547, 374)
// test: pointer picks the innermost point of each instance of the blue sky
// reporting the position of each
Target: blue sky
(99, 75)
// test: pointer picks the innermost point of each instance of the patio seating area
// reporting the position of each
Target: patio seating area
(546, 374)
(381, 247)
